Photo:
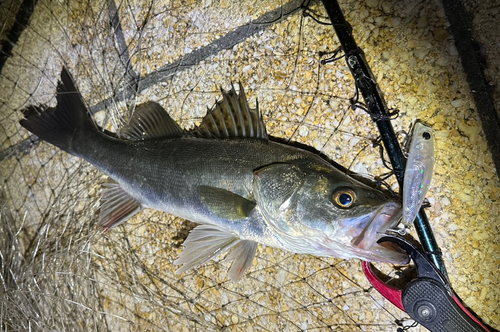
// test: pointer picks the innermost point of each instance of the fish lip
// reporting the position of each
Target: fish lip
(384, 218)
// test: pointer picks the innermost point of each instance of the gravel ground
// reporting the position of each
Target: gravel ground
(71, 278)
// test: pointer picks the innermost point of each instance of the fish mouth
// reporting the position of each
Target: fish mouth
(385, 217)
(363, 238)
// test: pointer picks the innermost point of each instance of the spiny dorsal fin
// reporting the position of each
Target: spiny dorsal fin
(150, 121)
(232, 117)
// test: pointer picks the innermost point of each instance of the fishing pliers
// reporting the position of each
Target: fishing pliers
(429, 298)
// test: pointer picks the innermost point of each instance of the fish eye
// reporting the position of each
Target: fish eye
(344, 198)
(426, 135)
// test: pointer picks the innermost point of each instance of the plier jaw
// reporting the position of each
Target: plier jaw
(429, 298)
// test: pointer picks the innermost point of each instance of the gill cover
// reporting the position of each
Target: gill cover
(279, 190)
(274, 188)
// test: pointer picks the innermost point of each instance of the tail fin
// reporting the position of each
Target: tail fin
(58, 125)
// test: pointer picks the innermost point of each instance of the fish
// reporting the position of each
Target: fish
(226, 175)
(418, 170)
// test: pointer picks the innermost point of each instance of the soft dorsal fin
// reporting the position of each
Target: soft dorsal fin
(232, 117)
(149, 121)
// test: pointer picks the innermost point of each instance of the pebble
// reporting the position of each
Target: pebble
(421, 53)
(480, 235)
(452, 49)
(422, 22)
(402, 79)
(442, 61)
(412, 100)
(396, 21)
(440, 34)
(457, 103)
(100, 116)
(372, 3)
(431, 87)
(387, 7)
(360, 168)
(334, 104)
(386, 55)
(404, 55)
(303, 131)
(353, 142)
(412, 62)
(464, 197)
(484, 292)
(281, 276)
(441, 133)
(472, 132)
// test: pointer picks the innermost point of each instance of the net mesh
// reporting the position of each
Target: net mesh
(58, 273)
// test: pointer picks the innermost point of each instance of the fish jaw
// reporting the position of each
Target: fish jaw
(360, 235)
(352, 238)
(386, 216)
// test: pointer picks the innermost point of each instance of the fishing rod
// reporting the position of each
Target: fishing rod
(377, 108)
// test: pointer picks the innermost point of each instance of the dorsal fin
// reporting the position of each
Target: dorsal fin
(232, 117)
(150, 120)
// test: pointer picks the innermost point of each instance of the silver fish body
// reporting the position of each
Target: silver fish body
(418, 170)
(227, 176)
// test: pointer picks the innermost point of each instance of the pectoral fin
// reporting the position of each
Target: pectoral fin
(225, 204)
(117, 206)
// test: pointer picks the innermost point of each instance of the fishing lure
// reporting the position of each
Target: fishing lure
(418, 171)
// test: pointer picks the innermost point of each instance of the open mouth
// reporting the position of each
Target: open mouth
(364, 244)
(385, 217)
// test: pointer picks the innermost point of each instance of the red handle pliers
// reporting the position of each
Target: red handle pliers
(429, 298)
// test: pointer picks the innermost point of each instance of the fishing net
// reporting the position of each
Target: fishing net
(58, 273)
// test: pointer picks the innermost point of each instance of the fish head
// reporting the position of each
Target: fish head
(317, 209)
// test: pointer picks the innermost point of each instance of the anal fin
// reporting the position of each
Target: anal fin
(242, 255)
(117, 206)
(206, 241)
